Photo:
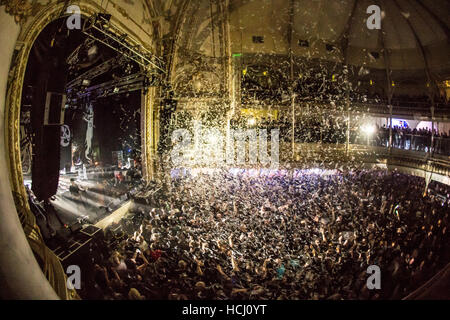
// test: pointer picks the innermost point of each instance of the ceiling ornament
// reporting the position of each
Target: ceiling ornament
(19, 9)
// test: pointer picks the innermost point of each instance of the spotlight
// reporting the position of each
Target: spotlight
(92, 51)
(251, 121)
(368, 129)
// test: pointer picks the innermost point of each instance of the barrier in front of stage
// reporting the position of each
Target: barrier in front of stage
(115, 217)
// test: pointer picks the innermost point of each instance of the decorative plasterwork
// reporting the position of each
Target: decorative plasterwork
(20, 9)
(40, 16)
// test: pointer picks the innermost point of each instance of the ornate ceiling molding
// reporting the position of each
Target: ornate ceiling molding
(20, 9)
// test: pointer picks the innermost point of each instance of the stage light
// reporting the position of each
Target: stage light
(368, 129)
(92, 51)
(251, 121)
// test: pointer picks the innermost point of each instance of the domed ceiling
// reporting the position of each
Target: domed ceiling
(414, 34)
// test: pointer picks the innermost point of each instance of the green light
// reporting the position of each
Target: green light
(235, 55)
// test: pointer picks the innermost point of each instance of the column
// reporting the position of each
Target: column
(390, 127)
(431, 150)
(148, 134)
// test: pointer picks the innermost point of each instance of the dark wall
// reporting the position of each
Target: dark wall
(117, 126)
(46, 72)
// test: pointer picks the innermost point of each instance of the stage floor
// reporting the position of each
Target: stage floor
(102, 196)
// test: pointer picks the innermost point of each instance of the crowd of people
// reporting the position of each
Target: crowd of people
(402, 138)
(414, 139)
(279, 235)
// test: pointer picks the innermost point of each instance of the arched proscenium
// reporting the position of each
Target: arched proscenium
(20, 274)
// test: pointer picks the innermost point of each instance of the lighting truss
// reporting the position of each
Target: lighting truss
(100, 29)
(73, 57)
(97, 71)
(134, 82)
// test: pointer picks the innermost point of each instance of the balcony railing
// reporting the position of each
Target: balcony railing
(413, 142)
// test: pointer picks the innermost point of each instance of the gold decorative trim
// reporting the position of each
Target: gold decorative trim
(149, 135)
(30, 31)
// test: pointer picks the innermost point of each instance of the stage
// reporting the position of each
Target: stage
(101, 193)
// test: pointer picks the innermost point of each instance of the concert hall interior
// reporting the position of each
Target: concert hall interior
(225, 149)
